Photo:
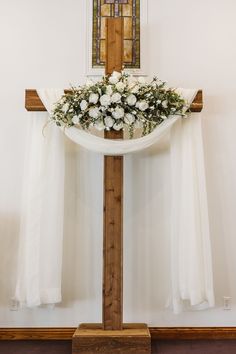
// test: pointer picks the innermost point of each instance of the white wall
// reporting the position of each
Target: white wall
(191, 44)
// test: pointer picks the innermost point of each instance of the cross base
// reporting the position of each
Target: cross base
(92, 338)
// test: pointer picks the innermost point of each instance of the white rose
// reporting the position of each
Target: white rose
(116, 74)
(93, 98)
(116, 97)
(141, 80)
(94, 112)
(143, 105)
(75, 120)
(118, 126)
(83, 105)
(165, 104)
(129, 118)
(109, 90)
(131, 100)
(118, 113)
(99, 125)
(113, 80)
(105, 100)
(120, 86)
(108, 122)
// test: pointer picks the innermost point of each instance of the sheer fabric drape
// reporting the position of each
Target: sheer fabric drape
(40, 253)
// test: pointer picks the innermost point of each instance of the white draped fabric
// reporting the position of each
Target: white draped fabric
(40, 254)
(41, 231)
(190, 242)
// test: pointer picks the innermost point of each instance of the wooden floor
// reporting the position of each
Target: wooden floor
(158, 347)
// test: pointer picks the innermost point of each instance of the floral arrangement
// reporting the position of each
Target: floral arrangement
(118, 101)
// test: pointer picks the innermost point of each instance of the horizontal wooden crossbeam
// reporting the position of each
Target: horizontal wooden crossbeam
(34, 104)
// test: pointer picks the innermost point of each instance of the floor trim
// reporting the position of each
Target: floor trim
(161, 333)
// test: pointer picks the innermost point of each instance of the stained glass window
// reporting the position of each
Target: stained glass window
(130, 10)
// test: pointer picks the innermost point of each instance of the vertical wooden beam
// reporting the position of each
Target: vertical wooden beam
(114, 44)
(113, 240)
(113, 201)
(113, 337)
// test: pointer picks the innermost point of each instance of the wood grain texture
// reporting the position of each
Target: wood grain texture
(112, 311)
(34, 104)
(92, 338)
(192, 333)
(113, 239)
(114, 44)
(161, 333)
(45, 333)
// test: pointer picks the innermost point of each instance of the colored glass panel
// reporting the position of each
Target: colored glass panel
(130, 10)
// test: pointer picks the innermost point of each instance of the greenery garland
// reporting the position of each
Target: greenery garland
(119, 101)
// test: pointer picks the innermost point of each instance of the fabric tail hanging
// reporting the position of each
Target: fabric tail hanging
(41, 232)
(190, 240)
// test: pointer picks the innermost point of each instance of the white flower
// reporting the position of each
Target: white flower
(109, 90)
(113, 80)
(115, 77)
(163, 117)
(118, 113)
(120, 86)
(165, 104)
(65, 107)
(108, 122)
(99, 125)
(105, 100)
(83, 105)
(116, 97)
(94, 112)
(116, 74)
(131, 100)
(75, 120)
(93, 98)
(129, 118)
(143, 105)
(118, 126)
(142, 80)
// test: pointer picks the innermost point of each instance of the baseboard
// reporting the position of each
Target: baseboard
(185, 333)
(161, 333)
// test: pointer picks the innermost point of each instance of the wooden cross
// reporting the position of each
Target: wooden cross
(112, 336)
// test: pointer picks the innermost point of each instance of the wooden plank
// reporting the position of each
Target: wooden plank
(32, 333)
(113, 199)
(92, 339)
(192, 333)
(113, 239)
(157, 333)
(34, 104)
(114, 44)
